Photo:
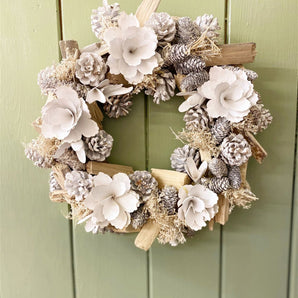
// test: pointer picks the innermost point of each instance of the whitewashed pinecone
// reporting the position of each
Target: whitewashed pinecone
(180, 155)
(219, 185)
(217, 167)
(235, 150)
(187, 30)
(168, 198)
(192, 64)
(70, 158)
(118, 105)
(78, 184)
(163, 25)
(251, 75)
(235, 177)
(139, 217)
(53, 183)
(262, 116)
(196, 118)
(221, 129)
(208, 22)
(46, 80)
(194, 80)
(81, 89)
(37, 159)
(178, 53)
(99, 147)
(143, 183)
(90, 69)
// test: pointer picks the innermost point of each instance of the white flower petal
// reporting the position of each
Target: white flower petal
(129, 202)
(102, 179)
(95, 95)
(110, 209)
(122, 220)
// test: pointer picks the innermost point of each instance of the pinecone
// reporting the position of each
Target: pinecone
(70, 158)
(178, 53)
(46, 81)
(218, 168)
(99, 147)
(221, 129)
(235, 150)
(54, 185)
(139, 217)
(262, 117)
(78, 184)
(194, 80)
(38, 160)
(192, 64)
(168, 198)
(143, 183)
(235, 177)
(209, 23)
(164, 27)
(180, 155)
(187, 31)
(90, 69)
(82, 90)
(196, 118)
(219, 185)
(251, 75)
(118, 105)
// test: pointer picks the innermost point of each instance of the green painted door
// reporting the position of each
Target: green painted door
(43, 255)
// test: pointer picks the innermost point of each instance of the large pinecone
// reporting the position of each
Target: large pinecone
(235, 177)
(219, 185)
(196, 118)
(221, 129)
(192, 64)
(143, 183)
(46, 80)
(168, 198)
(70, 158)
(262, 117)
(139, 217)
(187, 30)
(118, 105)
(180, 155)
(99, 147)
(217, 167)
(209, 23)
(163, 25)
(194, 80)
(235, 150)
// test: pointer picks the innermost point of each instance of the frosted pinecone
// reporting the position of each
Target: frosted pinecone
(143, 183)
(221, 129)
(164, 27)
(194, 80)
(196, 118)
(70, 158)
(99, 147)
(235, 150)
(168, 198)
(209, 23)
(219, 185)
(235, 177)
(46, 80)
(187, 30)
(180, 155)
(82, 90)
(104, 17)
(139, 217)
(261, 116)
(178, 53)
(192, 64)
(54, 185)
(78, 184)
(118, 105)
(37, 159)
(90, 69)
(164, 89)
(217, 167)
(251, 75)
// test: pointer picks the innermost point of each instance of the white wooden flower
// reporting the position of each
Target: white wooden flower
(231, 94)
(111, 201)
(196, 205)
(132, 49)
(67, 117)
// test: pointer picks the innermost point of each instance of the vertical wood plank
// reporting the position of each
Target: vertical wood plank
(35, 259)
(109, 265)
(256, 242)
(192, 269)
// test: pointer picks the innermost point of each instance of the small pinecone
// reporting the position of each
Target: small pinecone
(163, 25)
(219, 185)
(235, 177)
(46, 80)
(235, 150)
(180, 155)
(143, 183)
(168, 198)
(78, 184)
(70, 158)
(187, 30)
(99, 147)
(196, 118)
(194, 80)
(192, 64)
(251, 75)
(54, 185)
(218, 168)
(38, 160)
(139, 217)
(262, 116)
(178, 53)
(118, 105)
(221, 129)
(205, 181)
(82, 90)
(209, 23)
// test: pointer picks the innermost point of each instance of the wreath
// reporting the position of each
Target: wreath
(155, 53)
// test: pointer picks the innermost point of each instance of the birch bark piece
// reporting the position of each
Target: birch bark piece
(94, 167)
(258, 152)
(222, 215)
(96, 113)
(60, 170)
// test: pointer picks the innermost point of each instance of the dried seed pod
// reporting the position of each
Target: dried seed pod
(217, 167)
(143, 183)
(196, 118)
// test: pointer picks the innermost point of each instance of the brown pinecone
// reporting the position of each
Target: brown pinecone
(139, 217)
(70, 158)
(187, 30)
(235, 177)
(221, 129)
(217, 167)
(143, 183)
(196, 118)
(194, 80)
(219, 185)
(178, 53)
(191, 64)
(168, 198)
(118, 105)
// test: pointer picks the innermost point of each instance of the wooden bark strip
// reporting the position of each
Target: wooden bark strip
(146, 8)
(60, 170)
(211, 224)
(237, 53)
(258, 152)
(71, 45)
(147, 235)
(59, 196)
(94, 48)
(96, 113)
(126, 230)
(94, 167)
(223, 214)
(205, 155)
(168, 177)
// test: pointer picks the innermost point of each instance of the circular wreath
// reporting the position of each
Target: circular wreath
(155, 53)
